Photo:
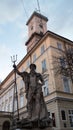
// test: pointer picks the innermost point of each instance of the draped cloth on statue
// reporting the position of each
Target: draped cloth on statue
(39, 109)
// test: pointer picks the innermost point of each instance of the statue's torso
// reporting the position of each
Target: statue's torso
(32, 81)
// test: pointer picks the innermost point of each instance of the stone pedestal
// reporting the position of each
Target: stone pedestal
(24, 124)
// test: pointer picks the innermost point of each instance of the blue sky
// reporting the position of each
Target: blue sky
(14, 32)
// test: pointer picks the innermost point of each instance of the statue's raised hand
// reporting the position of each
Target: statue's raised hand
(14, 66)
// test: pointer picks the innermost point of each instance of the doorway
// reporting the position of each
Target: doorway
(6, 125)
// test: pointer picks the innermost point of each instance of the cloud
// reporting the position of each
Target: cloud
(10, 10)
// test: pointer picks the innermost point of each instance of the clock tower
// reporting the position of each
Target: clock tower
(37, 27)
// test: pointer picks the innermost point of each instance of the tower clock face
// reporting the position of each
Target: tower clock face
(31, 27)
(41, 25)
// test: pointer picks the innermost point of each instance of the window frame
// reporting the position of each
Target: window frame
(64, 85)
(65, 115)
(28, 63)
(6, 105)
(34, 57)
(21, 105)
(3, 106)
(43, 63)
(71, 116)
(42, 49)
(47, 88)
(21, 84)
(10, 104)
(59, 45)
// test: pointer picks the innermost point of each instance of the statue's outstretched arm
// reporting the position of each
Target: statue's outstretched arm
(17, 71)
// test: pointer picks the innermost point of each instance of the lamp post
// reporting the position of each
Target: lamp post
(15, 96)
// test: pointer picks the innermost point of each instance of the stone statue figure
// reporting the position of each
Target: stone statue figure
(36, 106)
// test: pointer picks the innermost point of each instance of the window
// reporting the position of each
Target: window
(62, 62)
(10, 104)
(45, 88)
(21, 101)
(28, 63)
(40, 25)
(43, 65)
(34, 57)
(59, 45)
(66, 84)
(53, 118)
(6, 105)
(21, 84)
(3, 106)
(42, 49)
(63, 115)
(31, 27)
(70, 112)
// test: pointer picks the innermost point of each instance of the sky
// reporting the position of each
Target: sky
(13, 30)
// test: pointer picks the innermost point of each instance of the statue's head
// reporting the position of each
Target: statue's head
(33, 66)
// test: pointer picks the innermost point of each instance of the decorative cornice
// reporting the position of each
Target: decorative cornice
(34, 34)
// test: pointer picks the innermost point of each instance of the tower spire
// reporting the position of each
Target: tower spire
(38, 6)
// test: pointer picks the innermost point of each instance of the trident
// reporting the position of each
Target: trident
(14, 59)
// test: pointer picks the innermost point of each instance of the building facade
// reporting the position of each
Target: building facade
(42, 45)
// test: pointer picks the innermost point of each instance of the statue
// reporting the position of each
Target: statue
(36, 106)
